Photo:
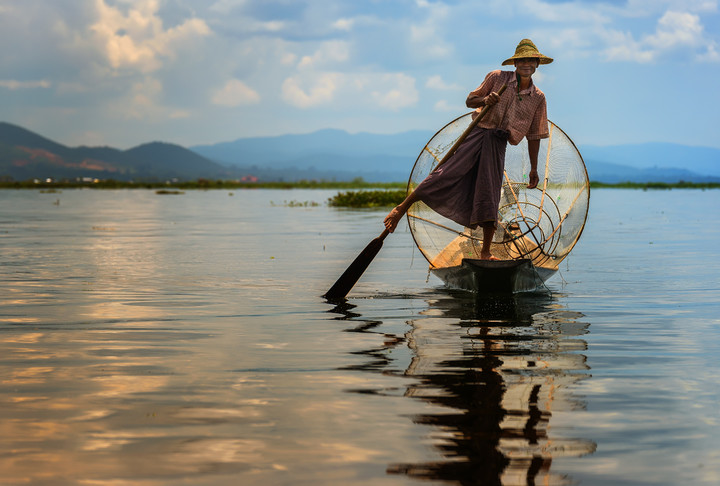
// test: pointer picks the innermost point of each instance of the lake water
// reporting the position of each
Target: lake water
(181, 340)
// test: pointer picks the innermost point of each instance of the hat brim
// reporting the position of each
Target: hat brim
(541, 58)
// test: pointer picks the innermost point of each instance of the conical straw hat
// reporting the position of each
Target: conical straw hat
(526, 48)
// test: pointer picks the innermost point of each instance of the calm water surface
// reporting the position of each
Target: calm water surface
(153, 340)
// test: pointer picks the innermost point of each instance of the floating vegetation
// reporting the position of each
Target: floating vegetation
(297, 204)
(49, 191)
(168, 191)
(657, 185)
(367, 199)
(203, 184)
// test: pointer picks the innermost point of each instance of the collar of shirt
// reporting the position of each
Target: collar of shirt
(528, 91)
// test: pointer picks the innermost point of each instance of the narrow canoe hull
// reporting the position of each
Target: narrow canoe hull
(491, 276)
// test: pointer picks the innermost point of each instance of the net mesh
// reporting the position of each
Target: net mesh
(540, 224)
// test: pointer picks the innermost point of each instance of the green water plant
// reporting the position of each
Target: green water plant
(367, 199)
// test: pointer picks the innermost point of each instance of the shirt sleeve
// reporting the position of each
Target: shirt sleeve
(487, 85)
(539, 125)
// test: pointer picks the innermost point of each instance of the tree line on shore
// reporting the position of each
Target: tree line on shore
(358, 193)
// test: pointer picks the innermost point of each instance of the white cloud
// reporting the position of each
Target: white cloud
(288, 58)
(437, 82)
(142, 102)
(270, 26)
(648, 7)
(329, 53)
(142, 98)
(444, 106)
(387, 91)
(569, 12)
(227, 6)
(15, 85)
(343, 24)
(137, 39)
(674, 31)
(427, 37)
(235, 93)
(427, 41)
(310, 92)
(711, 55)
(318, 64)
(628, 50)
(396, 91)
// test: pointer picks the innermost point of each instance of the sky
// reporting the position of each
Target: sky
(126, 72)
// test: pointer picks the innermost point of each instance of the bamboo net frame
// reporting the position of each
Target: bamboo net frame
(542, 225)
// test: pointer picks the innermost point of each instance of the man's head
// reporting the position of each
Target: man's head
(527, 50)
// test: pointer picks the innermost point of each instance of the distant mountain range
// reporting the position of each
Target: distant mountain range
(325, 154)
(336, 153)
(391, 157)
(651, 162)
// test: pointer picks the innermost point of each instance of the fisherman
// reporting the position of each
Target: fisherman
(466, 189)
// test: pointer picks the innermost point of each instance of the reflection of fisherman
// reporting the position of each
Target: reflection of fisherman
(466, 189)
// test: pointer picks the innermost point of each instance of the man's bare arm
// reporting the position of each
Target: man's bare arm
(533, 149)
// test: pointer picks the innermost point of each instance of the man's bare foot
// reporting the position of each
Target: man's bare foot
(489, 256)
(393, 218)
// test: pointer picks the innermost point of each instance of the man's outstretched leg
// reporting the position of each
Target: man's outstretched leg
(488, 233)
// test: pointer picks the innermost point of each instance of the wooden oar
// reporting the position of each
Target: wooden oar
(353, 273)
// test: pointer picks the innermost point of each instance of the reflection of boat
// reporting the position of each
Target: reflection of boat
(537, 228)
(492, 371)
(512, 364)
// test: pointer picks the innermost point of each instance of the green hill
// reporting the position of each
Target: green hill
(27, 155)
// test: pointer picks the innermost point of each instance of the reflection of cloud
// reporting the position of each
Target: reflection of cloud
(271, 345)
(27, 375)
(125, 385)
(341, 452)
(196, 454)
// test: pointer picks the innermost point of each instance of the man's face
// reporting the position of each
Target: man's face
(526, 66)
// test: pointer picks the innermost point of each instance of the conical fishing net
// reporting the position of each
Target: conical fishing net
(541, 224)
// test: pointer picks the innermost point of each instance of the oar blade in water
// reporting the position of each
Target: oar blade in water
(353, 273)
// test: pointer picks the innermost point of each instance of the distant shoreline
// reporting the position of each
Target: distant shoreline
(354, 184)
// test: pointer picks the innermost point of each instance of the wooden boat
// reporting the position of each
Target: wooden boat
(537, 228)
(494, 276)
(518, 269)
